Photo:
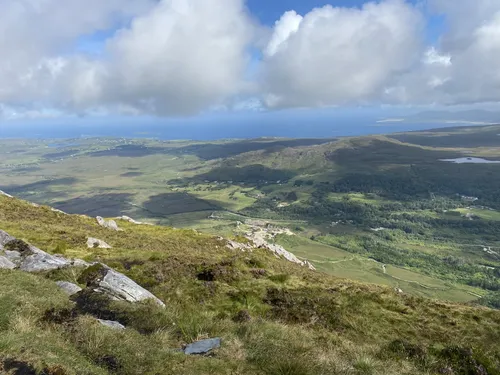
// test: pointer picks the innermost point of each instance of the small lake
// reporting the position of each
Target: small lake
(471, 161)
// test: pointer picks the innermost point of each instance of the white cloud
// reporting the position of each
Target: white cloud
(175, 57)
(178, 57)
(336, 56)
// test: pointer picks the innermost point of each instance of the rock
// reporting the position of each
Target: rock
(41, 261)
(111, 224)
(111, 324)
(6, 264)
(5, 238)
(13, 256)
(5, 194)
(81, 263)
(58, 211)
(398, 290)
(120, 288)
(202, 347)
(68, 287)
(96, 243)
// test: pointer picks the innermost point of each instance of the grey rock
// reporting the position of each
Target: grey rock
(111, 324)
(81, 263)
(96, 243)
(203, 347)
(119, 287)
(111, 224)
(58, 211)
(40, 261)
(6, 264)
(13, 256)
(68, 287)
(5, 238)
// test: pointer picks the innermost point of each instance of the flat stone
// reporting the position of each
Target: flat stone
(96, 243)
(203, 346)
(41, 261)
(119, 287)
(6, 264)
(111, 324)
(68, 287)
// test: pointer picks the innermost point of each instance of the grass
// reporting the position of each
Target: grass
(299, 321)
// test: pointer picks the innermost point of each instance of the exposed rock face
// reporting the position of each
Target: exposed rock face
(68, 287)
(119, 287)
(111, 324)
(29, 258)
(40, 261)
(203, 347)
(111, 224)
(6, 264)
(96, 243)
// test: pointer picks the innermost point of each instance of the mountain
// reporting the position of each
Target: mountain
(268, 314)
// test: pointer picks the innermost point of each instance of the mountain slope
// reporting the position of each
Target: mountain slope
(274, 317)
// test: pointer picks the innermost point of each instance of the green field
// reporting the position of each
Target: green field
(351, 202)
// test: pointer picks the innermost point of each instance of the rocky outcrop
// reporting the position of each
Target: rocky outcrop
(29, 258)
(117, 286)
(96, 243)
(202, 347)
(40, 261)
(110, 224)
(69, 288)
(111, 324)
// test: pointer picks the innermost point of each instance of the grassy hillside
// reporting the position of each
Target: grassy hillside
(274, 317)
(380, 209)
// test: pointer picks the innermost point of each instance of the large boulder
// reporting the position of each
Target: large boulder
(69, 288)
(40, 261)
(28, 257)
(115, 285)
(111, 224)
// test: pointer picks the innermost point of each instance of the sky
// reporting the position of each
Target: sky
(194, 58)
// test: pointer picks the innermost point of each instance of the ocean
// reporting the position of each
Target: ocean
(254, 125)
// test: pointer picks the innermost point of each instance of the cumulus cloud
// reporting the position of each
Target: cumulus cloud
(168, 57)
(183, 57)
(336, 56)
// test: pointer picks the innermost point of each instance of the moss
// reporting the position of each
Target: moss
(20, 246)
(93, 274)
